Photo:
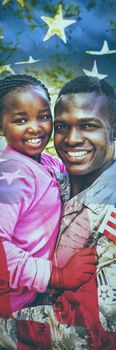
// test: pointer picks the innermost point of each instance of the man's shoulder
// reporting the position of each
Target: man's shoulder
(111, 168)
(107, 179)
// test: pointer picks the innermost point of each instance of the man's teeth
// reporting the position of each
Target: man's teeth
(77, 154)
(34, 140)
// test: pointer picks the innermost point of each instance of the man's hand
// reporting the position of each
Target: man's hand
(77, 271)
(80, 268)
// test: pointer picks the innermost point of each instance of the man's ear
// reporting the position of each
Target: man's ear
(1, 132)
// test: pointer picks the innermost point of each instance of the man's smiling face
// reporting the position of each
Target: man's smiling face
(83, 134)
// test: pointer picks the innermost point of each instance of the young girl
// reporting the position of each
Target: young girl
(30, 204)
(29, 193)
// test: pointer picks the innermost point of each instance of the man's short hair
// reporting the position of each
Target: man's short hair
(90, 84)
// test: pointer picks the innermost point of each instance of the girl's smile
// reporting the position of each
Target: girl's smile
(27, 121)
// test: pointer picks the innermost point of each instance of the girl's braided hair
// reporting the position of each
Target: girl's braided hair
(15, 82)
(12, 82)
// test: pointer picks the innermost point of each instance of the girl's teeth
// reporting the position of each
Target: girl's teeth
(77, 154)
(34, 140)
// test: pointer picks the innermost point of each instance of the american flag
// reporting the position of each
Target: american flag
(108, 227)
(56, 41)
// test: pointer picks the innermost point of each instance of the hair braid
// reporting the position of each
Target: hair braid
(13, 82)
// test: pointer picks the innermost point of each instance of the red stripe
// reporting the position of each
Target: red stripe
(111, 224)
(110, 236)
(113, 214)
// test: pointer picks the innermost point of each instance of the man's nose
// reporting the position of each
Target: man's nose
(75, 135)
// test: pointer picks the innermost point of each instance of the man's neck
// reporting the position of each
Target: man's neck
(81, 182)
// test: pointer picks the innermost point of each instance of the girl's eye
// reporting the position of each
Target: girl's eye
(20, 121)
(45, 117)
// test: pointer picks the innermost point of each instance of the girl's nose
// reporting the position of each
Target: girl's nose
(33, 126)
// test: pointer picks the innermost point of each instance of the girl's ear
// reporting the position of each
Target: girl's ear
(1, 132)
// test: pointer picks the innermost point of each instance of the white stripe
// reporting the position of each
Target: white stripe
(113, 220)
(111, 230)
(107, 217)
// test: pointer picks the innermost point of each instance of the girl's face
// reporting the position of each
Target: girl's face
(27, 120)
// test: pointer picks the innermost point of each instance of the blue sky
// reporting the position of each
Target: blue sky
(23, 32)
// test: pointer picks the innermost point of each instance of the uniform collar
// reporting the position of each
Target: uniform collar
(96, 196)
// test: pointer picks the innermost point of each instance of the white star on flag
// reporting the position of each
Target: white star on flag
(94, 72)
(21, 2)
(104, 51)
(10, 177)
(30, 60)
(56, 25)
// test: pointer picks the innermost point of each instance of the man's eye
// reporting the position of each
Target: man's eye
(89, 126)
(60, 127)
